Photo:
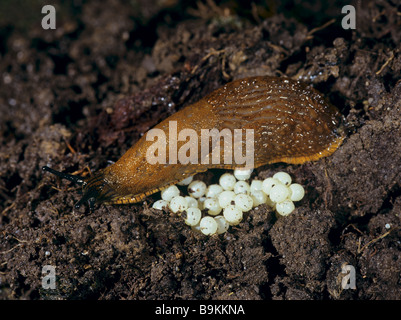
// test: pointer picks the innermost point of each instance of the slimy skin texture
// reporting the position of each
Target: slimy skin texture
(292, 123)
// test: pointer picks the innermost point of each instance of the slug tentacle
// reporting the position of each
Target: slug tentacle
(73, 178)
(94, 188)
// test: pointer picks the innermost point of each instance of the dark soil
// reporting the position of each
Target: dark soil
(76, 98)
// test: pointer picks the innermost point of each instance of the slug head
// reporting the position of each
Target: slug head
(93, 187)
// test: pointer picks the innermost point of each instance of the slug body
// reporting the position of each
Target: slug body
(291, 121)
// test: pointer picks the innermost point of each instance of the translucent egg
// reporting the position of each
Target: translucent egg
(283, 177)
(268, 184)
(233, 214)
(213, 190)
(170, 192)
(285, 208)
(208, 225)
(256, 185)
(193, 216)
(178, 204)
(222, 224)
(242, 174)
(243, 202)
(186, 181)
(298, 192)
(160, 204)
(241, 187)
(192, 202)
(279, 193)
(258, 197)
(227, 181)
(213, 206)
(225, 198)
(197, 188)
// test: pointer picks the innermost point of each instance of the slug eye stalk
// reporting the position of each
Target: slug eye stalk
(92, 187)
(75, 179)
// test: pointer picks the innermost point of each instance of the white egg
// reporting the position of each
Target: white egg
(298, 192)
(285, 208)
(160, 204)
(193, 216)
(225, 198)
(178, 204)
(170, 192)
(243, 202)
(186, 181)
(227, 181)
(197, 188)
(208, 225)
(242, 174)
(283, 177)
(222, 224)
(279, 193)
(233, 214)
(268, 184)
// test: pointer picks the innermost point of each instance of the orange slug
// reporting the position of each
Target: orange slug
(291, 123)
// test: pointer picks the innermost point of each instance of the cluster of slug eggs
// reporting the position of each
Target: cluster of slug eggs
(226, 202)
